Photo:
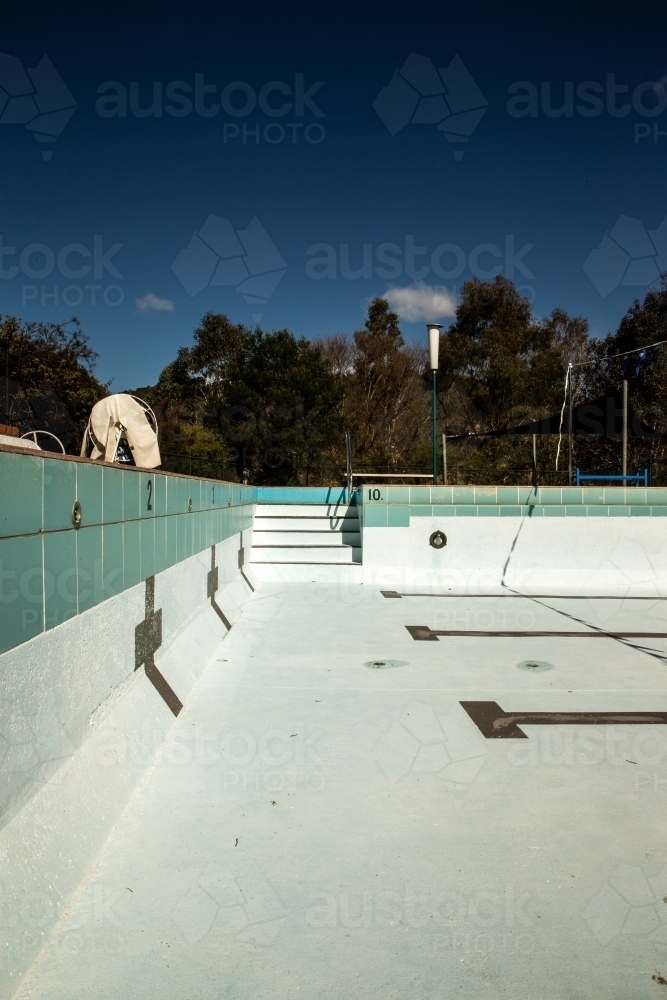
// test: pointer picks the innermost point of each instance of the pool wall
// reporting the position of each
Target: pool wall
(606, 540)
(104, 630)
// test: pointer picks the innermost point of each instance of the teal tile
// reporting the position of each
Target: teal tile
(207, 489)
(160, 495)
(512, 510)
(399, 494)
(658, 511)
(112, 559)
(131, 495)
(197, 545)
(420, 494)
(576, 510)
(593, 495)
(572, 495)
(508, 494)
(189, 535)
(549, 495)
(171, 484)
(194, 494)
(160, 544)
(466, 510)
(21, 493)
(417, 510)
(615, 510)
(463, 495)
(535, 510)
(446, 510)
(614, 495)
(89, 492)
(441, 494)
(148, 494)
(598, 510)
(131, 554)
(21, 591)
(656, 496)
(642, 511)
(398, 516)
(527, 495)
(147, 548)
(181, 536)
(487, 495)
(112, 496)
(488, 510)
(60, 577)
(59, 494)
(171, 540)
(374, 516)
(551, 510)
(89, 562)
(637, 496)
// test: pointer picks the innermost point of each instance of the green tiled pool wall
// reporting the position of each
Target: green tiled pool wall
(134, 524)
(393, 506)
(332, 495)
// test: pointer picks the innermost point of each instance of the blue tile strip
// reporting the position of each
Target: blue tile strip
(134, 524)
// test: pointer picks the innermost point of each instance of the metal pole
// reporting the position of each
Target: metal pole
(569, 426)
(7, 379)
(535, 461)
(435, 427)
(444, 459)
(624, 437)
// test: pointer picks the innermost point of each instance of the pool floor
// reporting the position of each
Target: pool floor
(314, 826)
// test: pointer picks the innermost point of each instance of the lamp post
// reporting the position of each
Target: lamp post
(433, 350)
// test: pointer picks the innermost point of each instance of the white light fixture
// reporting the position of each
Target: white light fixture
(434, 343)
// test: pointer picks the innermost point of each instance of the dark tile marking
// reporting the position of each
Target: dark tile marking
(422, 633)
(242, 564)
(495, 724)
(211, 590)
(147, 640)
(530, 597)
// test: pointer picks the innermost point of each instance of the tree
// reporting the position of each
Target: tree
(266, 401)
(52, 385)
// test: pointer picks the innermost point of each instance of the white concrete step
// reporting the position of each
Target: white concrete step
(296, 523)
(305, 554)
(335, 539)
(305, 510)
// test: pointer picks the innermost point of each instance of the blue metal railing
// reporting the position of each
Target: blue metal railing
(640, 478)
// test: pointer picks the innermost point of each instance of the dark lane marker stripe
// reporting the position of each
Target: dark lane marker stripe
(495, 724)
(422, 633)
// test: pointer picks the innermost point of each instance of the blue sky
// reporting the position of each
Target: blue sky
(119, 198)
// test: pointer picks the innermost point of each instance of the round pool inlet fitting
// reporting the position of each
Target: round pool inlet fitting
(77, 514)
(384, 664)
(535, 666)
(438, 540)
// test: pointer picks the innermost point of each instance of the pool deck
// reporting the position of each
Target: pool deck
(314, 826)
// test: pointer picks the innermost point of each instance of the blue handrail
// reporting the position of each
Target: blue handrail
(640, 478)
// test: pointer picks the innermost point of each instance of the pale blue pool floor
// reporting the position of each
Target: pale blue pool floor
(314, 827)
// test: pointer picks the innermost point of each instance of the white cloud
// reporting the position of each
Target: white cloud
(151, 303)
(421, 302)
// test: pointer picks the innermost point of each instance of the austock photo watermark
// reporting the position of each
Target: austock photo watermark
(449, 99)
(270, 103)
(270, 761)
(486, 922)
(70, 274)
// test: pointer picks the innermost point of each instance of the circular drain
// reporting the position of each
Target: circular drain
(384, 664)
(535, 666)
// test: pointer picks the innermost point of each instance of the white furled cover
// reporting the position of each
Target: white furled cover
(122, 415)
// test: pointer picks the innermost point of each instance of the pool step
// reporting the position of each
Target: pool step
(306, 534)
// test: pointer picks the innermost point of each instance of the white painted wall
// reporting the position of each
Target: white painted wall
(83, 727)
(604, 555)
